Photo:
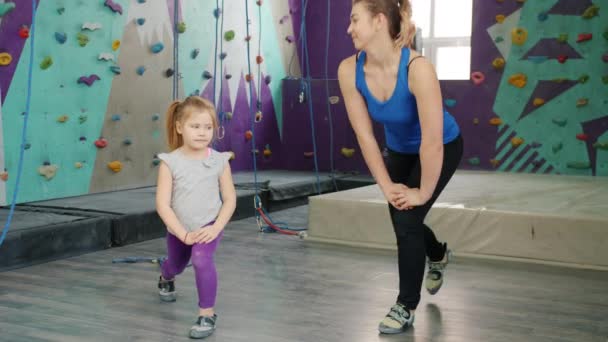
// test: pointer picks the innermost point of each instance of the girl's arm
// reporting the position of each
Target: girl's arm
(164, 189)
(228, 198)
(425, 87)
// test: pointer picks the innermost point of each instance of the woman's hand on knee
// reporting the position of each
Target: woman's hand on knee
(408, 198)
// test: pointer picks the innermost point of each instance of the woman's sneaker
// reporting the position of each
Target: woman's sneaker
(436, 272)
(166, 290)
(204, 327)
(397, 320)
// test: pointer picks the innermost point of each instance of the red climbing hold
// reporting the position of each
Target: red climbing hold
(259, 2)
(582, 136)
(248, 135)
(562, 59)
(583, 37)
(248, 77)
(247, 38)
(259, 59)
(24, 32)
(101, 143)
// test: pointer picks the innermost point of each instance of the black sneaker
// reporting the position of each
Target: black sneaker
(397, 320)
(166, 290)
(204, 327)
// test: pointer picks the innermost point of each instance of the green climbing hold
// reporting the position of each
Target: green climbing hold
(579, 165)
(563, 38)
(474, 161)
(181, 27)
(498, 39)
(583, 79)
(605, 79)
(557, 147)
(591, 12)
(229, 35)
(83, 39)
(605, 34)
(82, 119)
(6, 7)
(601, 145)
(46, 63)
(27, 146)
(560, 122)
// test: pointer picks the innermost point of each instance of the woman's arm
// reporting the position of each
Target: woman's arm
(362, 125)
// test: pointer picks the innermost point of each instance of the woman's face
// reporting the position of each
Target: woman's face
(363, 26)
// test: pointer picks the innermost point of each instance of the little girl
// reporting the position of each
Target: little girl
(190, 179)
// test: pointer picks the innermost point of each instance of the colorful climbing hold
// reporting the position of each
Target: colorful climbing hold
(62, 118)
(450, 102)
(88, 80)
(116, 45)
(498, 63)
(169, 72)
(494, 162)
(478, 77)
(500, 18)
(91, 26)
(495, 121)
(4, 175)
(334, 100)
(591, 12)
(127, 142)
(223, 55)
(561, 122)
(582, 137)
(217, 12)
(113, 6)
(247, 38)
(347, 152)
(5, 58)
(181, 27)
(61, 37)
(259, 59)
(60, 10)
(542, 16)
(155, 161)
(48, 171)
(82, 138)
(537, 102)
(158, 47)
(475, 121)
(141, 1)
(582, 102)
(24, 32)
(101, 143)
(106, 56)
(267, 79)
(583, 79)
(583, 37)
(518, 80)
(115, 166)
(6, 7)
(115, 69)
(474, 161)
(229, 35)
(601, 145)
(267, 152)
(248, 135)
(290, 39)
(78, 165)
(228, 115)
(517, 141)
(562, 38)
(557, 147)
(248, 77)
(155, 117)
(562, 58)
(140, 21)
(115, 117)
(27, 146)
(579, 165)
(82, 38)
(207, 75)
(228, 76)
(82, 119)
(194, 53)
(605, 57)
(259, 2)
(519, 35)
(258, 116)
(141, 70)
(605, 79)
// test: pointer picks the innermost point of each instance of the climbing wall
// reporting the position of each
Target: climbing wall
(102, 80)
(551, 101)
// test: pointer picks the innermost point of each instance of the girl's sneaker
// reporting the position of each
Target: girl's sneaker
(166, 290)
(397, 320)
(436, 273)
(204, 327)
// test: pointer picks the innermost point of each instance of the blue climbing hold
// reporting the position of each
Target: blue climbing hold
(223, 55)
(207, 75)
(216, 13)
(158, 47)
(141, 1)
(61, 37)
(267, 79)
(228, 76)
(116, 117)
(27, 146)
(127, 141)
(195, 93)
(543, 16)
(156, 117)
(141, 21)
(450, 102)
(141, 70)
(194, 53)
(115, 69)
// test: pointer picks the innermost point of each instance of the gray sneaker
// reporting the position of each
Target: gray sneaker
(204, 327)
(397, 320)
(166, 290)
(436, 272)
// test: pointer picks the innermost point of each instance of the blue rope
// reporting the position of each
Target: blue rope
(331, 120)
(24, 130)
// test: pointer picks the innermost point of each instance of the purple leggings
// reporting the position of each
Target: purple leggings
(178, 255)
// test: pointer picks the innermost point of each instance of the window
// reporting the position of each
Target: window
(446, 35)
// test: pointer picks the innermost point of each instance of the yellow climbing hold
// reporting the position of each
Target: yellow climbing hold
(591, 12)
(347, 152)
(115, 166)
(334, 100)
(476, 121)
(48, 171)
(500, 18)
(495, 162)
(62, 118)
(495, 121)
(538, 102)
(78, 165)
(115, 44)
(582, 102)
(517, 141)
(519, 35)
(498, 63)
(518, 80)
(5, 58)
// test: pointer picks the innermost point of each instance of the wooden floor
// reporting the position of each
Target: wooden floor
(278, 288)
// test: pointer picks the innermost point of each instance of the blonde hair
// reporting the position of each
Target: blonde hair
(179, 111)
(399, 16)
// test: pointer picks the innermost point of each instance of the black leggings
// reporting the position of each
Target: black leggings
(415, 240)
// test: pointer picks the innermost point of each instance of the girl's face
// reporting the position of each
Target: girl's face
(196, 130)
(363, 26)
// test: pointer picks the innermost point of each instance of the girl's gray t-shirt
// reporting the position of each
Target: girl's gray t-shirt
(195, 197)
